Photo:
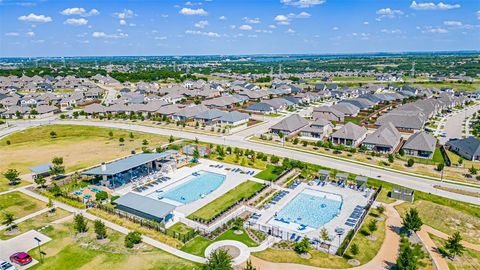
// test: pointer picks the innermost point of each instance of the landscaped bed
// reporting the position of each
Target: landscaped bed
(226, 201)
(271, 173)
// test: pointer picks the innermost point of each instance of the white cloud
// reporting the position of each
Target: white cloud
(109, 36)
(191, 11)
(363, 36)
(453, 23)
(32, 17)
(201, 24)
(79, 11)
(263, 31)
(432, 6)
(282, 19)
(251, 20)
(392, 31)
(160, 38)
(125, 14)
(30, 34)
(335, 28)
(272, 26)
(478, 14)
(302, 3)
(304, 14)
(208, 34)
(290, 31)
(122, 22)
(434, 30)
(222, 18)
(388, 13)
(76, 22)
(245, 27)
(12, 34)
(366, 23)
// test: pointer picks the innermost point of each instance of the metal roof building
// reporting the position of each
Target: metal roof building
(145, 207)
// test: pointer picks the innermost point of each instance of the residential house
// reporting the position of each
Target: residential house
(318, 129)
(234, 119)
(467, 148)
(384, 140)
(290, 125)
(349, 135)
(209, 117)
(328, 113)
(420, 144)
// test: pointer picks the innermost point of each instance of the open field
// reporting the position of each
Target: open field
(19, 204)
(80, 147)
(269, 174)
(35, 223)
(86, 252)
(470, 260)
(244, 190)
(446, 219)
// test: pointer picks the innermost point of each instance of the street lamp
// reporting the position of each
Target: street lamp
(39, 251)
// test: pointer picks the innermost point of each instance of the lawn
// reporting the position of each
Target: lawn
(451, 220)
(437, 156)
(222, 203)
(197, 245)
(470, 260)
(181, 228)
(318, 259)
(35, 223)
(87, 253)
(368, 248)
(271, 173)
(80, 147)
(19, 204)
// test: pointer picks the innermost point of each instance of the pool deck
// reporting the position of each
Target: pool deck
(180, 176)
(350, 199)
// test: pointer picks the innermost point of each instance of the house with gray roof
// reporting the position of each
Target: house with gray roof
(349, 135)
(347, 108)
(210, 117)
(188, 113)
(467, 148)
(234, 119)
(420, 144)
(361, 103)
(318, 129)
(384, 140)
(261, 107)
(222, 102)
(290, 125)
(328, 113)
(95, 109)
(170, 109)
(407, 120)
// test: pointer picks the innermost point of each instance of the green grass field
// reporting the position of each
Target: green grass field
(244, 190)
(470, 260)
(19, 204)
(66, 250)
(269, 174)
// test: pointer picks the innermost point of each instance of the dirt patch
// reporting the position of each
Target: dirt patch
(231, 250)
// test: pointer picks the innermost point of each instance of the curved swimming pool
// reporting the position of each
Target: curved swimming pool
(194, 187)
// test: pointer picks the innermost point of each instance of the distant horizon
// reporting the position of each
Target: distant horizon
(378, 53)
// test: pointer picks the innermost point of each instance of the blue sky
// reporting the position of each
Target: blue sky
(107, 27)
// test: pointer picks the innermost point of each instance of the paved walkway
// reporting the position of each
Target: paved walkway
(17, 221)
(384, 259)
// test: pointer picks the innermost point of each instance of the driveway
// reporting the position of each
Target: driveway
(453, 125)
(23, 242)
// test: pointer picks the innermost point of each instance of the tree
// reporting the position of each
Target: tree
(131, 136)
(390, 158)
(40, 180)
(281, 135)
(100, 196)
(171, 139)
(133, 238)
(303, 246)
(401, 152)
(100, 229)
(372, 225)
(53, 134)
(410, 162)
(8, 220)
(473, 170)
(249, 266)
(324, 235)
(57, 168)
(145, 142)
(453, 245)
(440, 167)
(12, 176)
(354, 249)
(219, 260)
(110, 134)
(80, 224)
(406, 259)
(274, 159)
(121, 139)
(51, 206)
(381, 209)
(412, 221)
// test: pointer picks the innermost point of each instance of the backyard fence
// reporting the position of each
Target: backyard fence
(150, 224)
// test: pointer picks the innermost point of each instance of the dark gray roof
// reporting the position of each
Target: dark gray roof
(421, 141)
(210, 114)
(234, 116)
(145, 205)
(350, 131)
(128, 163)
(470, 145)
(386, 135)
(260, 107)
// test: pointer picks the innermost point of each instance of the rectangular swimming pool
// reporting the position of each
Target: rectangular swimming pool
(310, 208)
(194, 187)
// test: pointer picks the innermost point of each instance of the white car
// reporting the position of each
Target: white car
(6, 266)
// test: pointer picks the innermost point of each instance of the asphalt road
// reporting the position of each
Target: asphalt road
(453, 125)
(411, 181)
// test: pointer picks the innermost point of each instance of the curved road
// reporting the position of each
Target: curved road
(411, 181)
(453, 125)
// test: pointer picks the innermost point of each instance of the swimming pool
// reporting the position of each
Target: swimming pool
(310, 208)
(194, 187)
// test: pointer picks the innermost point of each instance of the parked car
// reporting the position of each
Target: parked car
(21, 258)
(6, 266)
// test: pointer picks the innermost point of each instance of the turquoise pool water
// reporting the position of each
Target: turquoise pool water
(195, 187)
(311, 209)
